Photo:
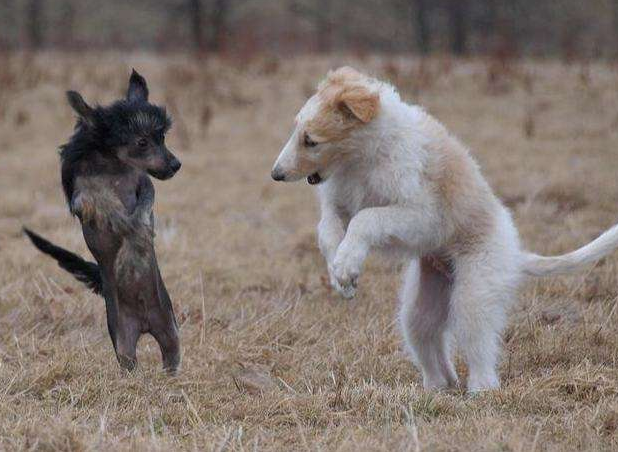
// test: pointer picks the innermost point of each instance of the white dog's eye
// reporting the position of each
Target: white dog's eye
(309, 142)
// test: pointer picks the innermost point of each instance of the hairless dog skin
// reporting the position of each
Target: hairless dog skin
(105, 176)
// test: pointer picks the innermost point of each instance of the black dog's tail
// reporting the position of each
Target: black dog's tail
(84, 271)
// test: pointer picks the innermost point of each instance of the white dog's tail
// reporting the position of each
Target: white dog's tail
(536, 265)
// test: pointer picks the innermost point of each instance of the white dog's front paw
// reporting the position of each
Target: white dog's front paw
(333, 280)
(347, 291)
(345, 271)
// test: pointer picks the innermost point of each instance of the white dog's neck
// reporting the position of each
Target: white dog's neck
(386, 140)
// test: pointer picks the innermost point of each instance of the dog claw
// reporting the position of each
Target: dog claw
(347, 287)
(348, 292)
(344, 273)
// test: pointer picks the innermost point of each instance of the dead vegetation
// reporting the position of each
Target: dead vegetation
(273, 359)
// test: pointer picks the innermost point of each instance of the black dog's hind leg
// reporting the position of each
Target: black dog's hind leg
(169, 343)
(128, 333)
(111, 311)
(124, 331)
(164, 328)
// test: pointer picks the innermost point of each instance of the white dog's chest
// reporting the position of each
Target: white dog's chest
(352, 201)
(351, 197)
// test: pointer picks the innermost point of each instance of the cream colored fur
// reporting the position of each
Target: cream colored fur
(394, 178)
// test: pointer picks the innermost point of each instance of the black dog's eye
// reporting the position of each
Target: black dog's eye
(309, 142)
(142, 142)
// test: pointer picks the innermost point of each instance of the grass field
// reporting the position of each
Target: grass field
(272, 358)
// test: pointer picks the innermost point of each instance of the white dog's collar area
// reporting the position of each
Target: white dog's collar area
(314, 179)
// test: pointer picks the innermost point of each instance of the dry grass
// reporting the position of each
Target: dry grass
(273, 360)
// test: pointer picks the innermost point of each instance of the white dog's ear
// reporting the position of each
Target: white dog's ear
(359, 102)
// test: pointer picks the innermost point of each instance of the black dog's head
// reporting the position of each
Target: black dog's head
(131, 130)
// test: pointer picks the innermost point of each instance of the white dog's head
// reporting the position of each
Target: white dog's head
(344, 102)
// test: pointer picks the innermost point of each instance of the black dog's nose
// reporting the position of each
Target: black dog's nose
(277, 175)
(175, 164)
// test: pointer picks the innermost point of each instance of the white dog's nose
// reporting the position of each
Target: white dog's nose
(277, 174)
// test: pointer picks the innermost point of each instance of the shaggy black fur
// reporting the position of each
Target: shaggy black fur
(104, 129)
(84, 271)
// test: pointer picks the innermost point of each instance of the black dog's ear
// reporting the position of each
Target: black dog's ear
(138, 90)
(83, 110)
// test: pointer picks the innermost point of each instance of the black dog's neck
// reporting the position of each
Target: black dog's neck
(106, 161)
(83, 156)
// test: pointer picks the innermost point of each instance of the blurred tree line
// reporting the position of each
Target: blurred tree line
(569, 28)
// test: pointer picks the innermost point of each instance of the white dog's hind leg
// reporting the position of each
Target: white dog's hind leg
(424, 316)
(481, 297)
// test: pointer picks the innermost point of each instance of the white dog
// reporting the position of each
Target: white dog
(391, 175)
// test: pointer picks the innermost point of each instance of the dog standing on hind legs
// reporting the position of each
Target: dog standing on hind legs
(105, 176)
(389, 175)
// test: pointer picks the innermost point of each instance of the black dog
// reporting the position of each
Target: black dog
(105, 168)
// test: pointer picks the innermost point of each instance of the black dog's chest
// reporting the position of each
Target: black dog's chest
(109, 203)
(126, 192)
